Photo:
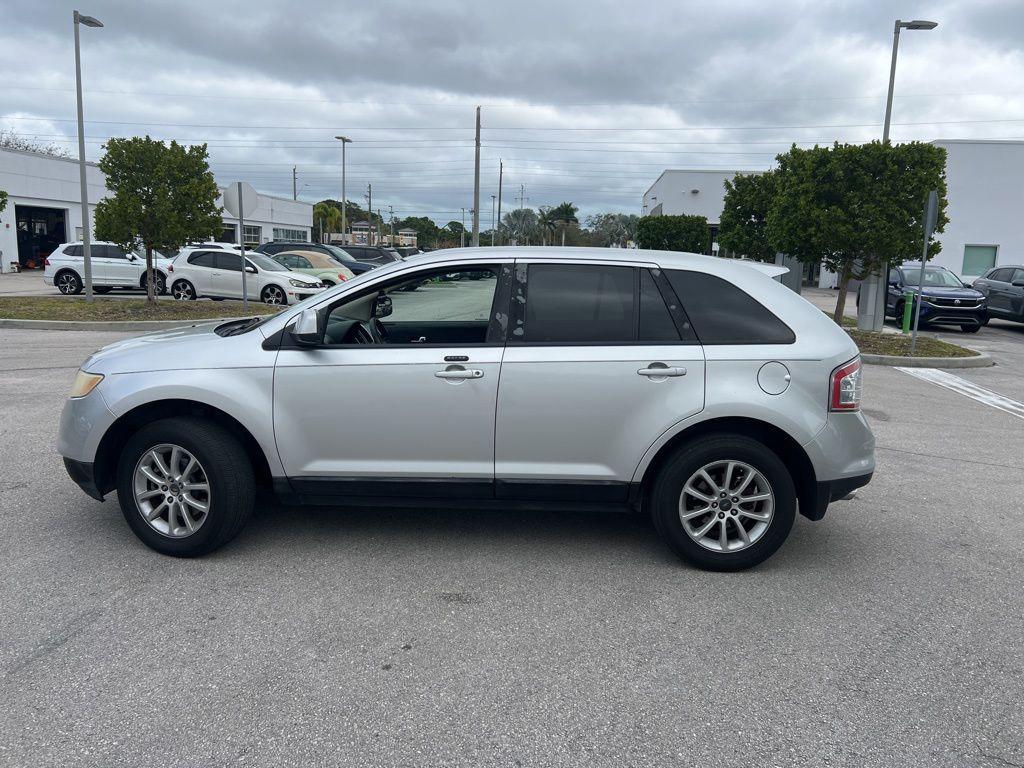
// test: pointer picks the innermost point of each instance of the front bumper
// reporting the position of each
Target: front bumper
(931, 313)
(82, 473)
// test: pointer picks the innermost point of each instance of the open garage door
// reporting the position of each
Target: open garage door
(40, 231)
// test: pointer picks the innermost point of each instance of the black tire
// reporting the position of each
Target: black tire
(688, 459)
(183, 290)
(228, 470)
(970, 328)
(68, 282)
(161, 282)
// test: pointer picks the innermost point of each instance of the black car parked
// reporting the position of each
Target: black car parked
(1004, 288)
(947, 300)
(371, 254)
(358, 266)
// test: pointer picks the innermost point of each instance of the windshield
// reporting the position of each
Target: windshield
(322, 260)
(267, 265)
(339, 254)
(933, 278)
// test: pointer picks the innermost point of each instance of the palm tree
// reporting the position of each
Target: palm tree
(563, 215)
(547, 223)
(326, 217)
(521, 224)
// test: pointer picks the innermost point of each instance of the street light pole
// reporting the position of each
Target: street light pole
(344, 204)
(476, 186)
(871, 312)
(89, 21)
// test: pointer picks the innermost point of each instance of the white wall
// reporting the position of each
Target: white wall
(985, 182)
(673, 191)
(48, 182)
(274, 212)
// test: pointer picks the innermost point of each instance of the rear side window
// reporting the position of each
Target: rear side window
(202, 259)
(721, 313)
(572, 303)
(74, 251)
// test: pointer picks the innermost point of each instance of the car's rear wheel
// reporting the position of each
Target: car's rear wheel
(273, 294)
(68, 283)
(183, 290)
(161, 283)
(185, 486)
(724, 503)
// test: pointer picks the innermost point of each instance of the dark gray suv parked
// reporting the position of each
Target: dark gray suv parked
(1004, 287)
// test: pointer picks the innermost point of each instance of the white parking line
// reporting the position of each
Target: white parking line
(967, 389)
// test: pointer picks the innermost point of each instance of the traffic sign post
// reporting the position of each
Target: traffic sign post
(240, 199)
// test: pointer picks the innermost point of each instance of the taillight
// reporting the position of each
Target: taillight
(845, 386)
(170, 267)
(46, 262)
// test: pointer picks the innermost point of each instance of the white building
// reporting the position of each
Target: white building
(692, 193)
(44, 209)
(985, 190)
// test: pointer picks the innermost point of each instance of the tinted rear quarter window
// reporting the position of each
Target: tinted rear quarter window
(722, 313)
(202, 259)
(74, 251)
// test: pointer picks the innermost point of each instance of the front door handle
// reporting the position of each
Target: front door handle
(660, 369)
(460, 373)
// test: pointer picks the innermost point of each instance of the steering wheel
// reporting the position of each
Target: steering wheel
(381, 331)
(361, 334)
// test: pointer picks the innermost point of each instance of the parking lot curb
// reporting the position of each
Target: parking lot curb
(981, 360)
(106, 325)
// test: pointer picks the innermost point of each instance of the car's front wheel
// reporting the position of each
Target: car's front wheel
(724, 503)
(273, 294)
(185, 486)
(183, 290)
(158, 279)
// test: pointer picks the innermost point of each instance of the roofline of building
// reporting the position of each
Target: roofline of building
(46, 156)
(733, 171)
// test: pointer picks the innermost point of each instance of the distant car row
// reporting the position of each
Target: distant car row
(948, 300)
(281, 272)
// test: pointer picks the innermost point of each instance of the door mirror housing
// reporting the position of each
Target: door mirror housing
(306, 328)
(382, 306)
(250, 269)
(1018, 283)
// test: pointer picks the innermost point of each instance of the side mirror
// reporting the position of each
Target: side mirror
(250, 269)
(306, 328)
(1018, 283)
(382, 306)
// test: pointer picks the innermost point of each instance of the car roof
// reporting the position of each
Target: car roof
(667, 259)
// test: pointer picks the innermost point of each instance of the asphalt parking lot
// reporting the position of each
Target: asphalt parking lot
(889, 634)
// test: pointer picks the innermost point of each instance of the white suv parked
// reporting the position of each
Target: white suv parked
(695, 389)
(198, 272)
(111, 268)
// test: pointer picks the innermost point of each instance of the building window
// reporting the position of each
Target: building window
(227, 234)
(284, 233)
(979, 259)
(252, 234)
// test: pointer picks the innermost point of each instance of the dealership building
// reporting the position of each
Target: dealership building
(44, 209)
(985, 191)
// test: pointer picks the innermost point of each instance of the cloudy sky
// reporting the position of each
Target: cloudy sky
(585, 101)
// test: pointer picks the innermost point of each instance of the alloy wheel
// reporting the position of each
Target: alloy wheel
(726, 506)
(273, 295)
(67, 283)
(172, 490)
(182, 291)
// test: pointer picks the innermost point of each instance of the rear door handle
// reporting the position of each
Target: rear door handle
(462, 373)
(662, 371)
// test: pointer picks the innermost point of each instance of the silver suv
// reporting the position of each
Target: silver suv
(695, 389)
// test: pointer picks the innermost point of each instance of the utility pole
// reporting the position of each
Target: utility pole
(476, 186)
(501, 170)
(391, 215)
(295, 183)
(344, 203)
(369, 214)
(493, 198)
(462, 234)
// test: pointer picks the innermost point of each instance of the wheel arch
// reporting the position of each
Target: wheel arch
(115, 438)
(801, 470)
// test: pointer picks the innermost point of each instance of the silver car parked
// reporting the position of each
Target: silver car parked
(698, 390)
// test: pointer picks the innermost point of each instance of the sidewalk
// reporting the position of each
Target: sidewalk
(28, 283)
(825, 299)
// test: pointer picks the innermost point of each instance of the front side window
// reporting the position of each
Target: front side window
(449, 308)
(722, 313)
(1002, 275)
(229, 262)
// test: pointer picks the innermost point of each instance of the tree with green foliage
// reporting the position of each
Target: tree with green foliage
(521, 225)
(612, 229)
(564, 215)
(674, 233)
(427, 232)
(326, 218)
(3, 200)
(743, 229)
(162, 197)
(854, 207)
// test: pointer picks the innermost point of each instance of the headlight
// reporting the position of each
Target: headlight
(299, 283)
(85, 383)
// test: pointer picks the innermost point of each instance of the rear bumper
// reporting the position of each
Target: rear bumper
(82, 473)
(843, 457)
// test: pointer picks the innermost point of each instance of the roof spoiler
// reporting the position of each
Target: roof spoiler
(772, 270)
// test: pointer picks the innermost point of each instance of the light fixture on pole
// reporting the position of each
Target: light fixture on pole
(344, 204)
(88, 21)
(871, 312)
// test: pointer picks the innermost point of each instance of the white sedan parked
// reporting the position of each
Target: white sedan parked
(198, 272)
